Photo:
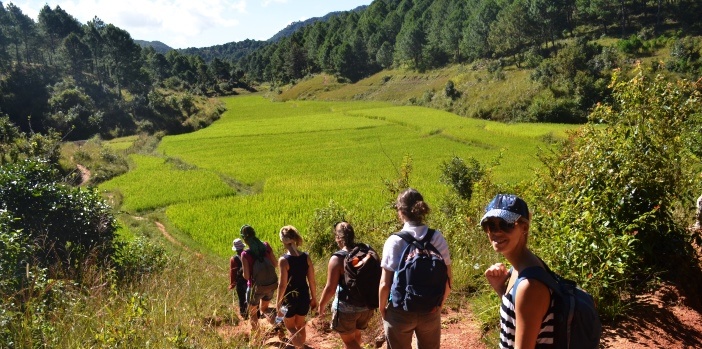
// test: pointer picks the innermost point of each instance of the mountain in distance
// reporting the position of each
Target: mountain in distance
(233, 51)
(157, 45)
(295, 26)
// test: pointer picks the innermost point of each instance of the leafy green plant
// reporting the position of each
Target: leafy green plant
(612, 198)
(461, 176)
(69, 224)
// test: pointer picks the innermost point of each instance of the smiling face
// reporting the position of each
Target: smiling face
(504, 237)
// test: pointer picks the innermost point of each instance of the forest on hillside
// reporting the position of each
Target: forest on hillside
(559, 42)
(85, 79)
(82, 79)
(426, 34)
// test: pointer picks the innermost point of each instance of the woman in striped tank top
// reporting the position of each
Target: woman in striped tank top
(528, 322)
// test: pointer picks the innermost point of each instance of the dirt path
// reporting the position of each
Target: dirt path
(662, 319)
(84, 174)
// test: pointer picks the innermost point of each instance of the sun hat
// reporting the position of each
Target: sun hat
(508, 207)
(237, 245)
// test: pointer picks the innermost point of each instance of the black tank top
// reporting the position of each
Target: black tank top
(297, 277)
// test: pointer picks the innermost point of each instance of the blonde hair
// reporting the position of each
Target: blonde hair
(290, 234)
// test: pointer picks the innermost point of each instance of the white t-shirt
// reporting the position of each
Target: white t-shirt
(394, 246)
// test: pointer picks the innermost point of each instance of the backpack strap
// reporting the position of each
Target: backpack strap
(536, 273)
(412, 241)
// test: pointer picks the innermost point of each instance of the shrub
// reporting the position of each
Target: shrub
(137, 258)
(320, 235)
(610, 201)
(69, 224)
(461, 176)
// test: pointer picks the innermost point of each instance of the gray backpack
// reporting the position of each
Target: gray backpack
(577, 323)
(263, 273)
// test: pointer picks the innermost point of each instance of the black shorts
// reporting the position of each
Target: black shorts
(298, 306)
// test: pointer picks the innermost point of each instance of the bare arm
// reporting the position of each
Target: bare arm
(282, 284)
(384, 290)
(533, 300)
(334, 272)
(312, 282)
(448, 285)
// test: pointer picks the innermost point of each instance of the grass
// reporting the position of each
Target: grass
(271, 164)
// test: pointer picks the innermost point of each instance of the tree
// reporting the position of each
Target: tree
(95, 41)
(410, 44)
(122, 57)
(56, 25)
(384, 55)
(510, 33)
(451, 36)
(4, 40)
(477, 29)
(22, 31)
(72, 111)
(77, 55)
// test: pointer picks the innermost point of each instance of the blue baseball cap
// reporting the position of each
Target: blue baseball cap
(507, 207)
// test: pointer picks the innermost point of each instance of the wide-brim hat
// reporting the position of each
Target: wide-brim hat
(507, 207)
(238, 245)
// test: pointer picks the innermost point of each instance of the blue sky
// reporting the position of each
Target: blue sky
(194, 23)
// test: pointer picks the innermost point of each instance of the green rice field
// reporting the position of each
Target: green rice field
(269, 164)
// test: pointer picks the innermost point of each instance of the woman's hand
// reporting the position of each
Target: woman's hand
(497, 275)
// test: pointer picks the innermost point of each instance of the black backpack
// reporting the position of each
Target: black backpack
(362, 282)
(420, 281)
(577, 323)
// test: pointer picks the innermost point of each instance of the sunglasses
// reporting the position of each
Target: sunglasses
(498, 225)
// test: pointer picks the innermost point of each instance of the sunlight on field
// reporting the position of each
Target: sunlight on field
(297, 156)
(154, 183)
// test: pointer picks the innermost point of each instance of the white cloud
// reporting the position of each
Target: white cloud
(265, 3)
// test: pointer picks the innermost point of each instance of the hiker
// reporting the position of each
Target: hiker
(347, 319)
(529, 322)
(297, 288)
(259, 271)
(402, 316)
(236, 277)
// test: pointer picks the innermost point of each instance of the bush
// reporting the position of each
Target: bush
(137, 258)
(320, 236)
(610, 203)
(460, 176)
(69, 224)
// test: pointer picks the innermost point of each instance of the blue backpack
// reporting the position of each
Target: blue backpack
(577, 323)
(420, 281)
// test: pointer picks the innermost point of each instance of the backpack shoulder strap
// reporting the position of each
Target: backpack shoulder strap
(428, 236)
(410, 239)
(341, 253)
(536, 273)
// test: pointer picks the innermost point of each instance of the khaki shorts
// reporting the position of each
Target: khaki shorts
(254, 294)
(346, 323)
